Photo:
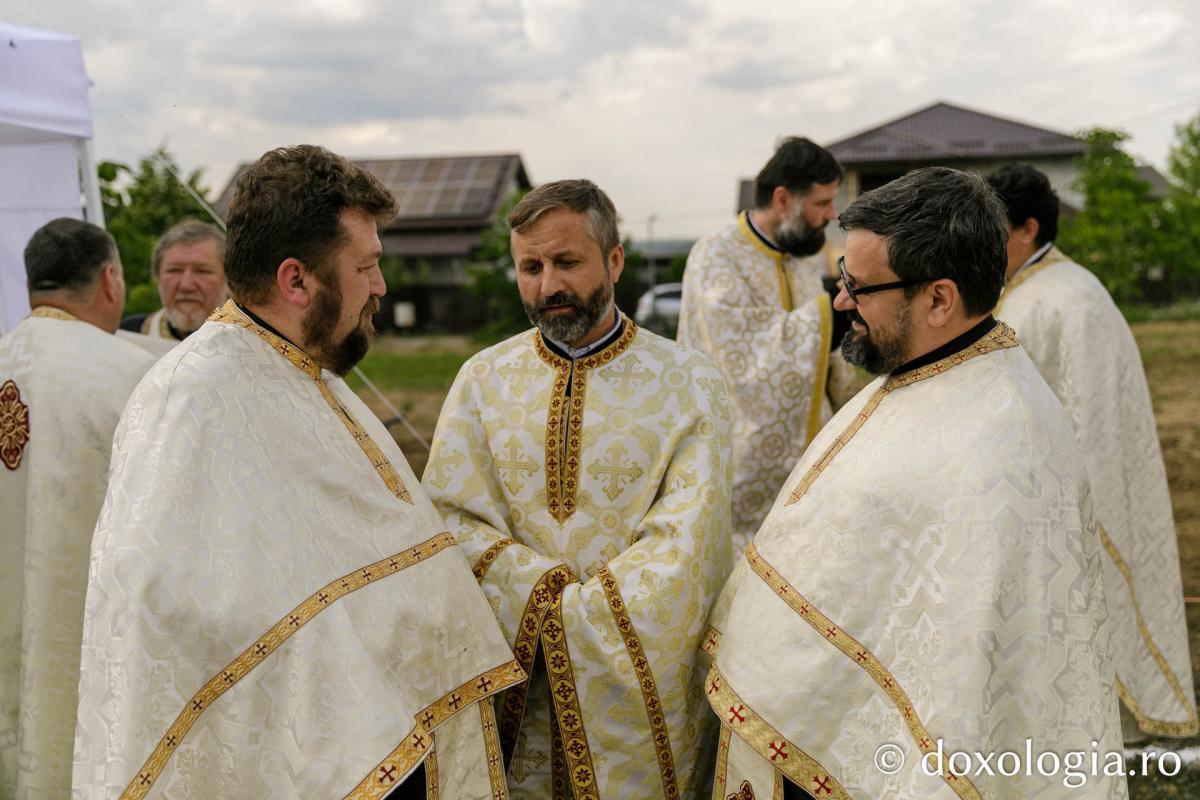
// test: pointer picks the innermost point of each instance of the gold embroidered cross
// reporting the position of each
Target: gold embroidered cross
(516, 463)
(439, 463)
(619, 474)
(519, 374)
(626, 373)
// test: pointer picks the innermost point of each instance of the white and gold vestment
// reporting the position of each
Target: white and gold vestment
(63, 383)
(274, 607)
(765, 320)
(1084, 349)
(593, 497)
(930, 574)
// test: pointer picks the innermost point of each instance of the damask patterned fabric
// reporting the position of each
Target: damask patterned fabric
(274, 607)
(930, 576)
(63, 383)
(1084, 349)
(765, 320)
(156, 346)
(593, 497)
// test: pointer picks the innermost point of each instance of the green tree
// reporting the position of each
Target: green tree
(493, 278)
(139, 206)
(1182, 217)
(1117, 234)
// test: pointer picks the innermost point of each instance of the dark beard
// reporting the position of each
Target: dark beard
(319, 323)
(803, 244)
(876, 358)
(573, 325)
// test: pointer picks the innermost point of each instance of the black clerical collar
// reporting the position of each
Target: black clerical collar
(951, 347)
(574, 353)
(262, 323)
(758, 233)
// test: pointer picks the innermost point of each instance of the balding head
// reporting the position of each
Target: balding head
(73, 265)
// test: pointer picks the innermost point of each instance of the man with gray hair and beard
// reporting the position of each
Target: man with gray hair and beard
(583, 466)
(928, 584)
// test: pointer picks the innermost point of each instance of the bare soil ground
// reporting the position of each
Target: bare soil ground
(1171, 354)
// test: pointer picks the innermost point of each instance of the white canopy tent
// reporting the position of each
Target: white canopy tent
(45, 149)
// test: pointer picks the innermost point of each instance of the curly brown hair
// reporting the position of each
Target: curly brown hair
(288, 204)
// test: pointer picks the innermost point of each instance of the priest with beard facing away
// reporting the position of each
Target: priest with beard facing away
(583, 467)
(930, 577)
(275, 609)
(753, 302)
(1083, 347)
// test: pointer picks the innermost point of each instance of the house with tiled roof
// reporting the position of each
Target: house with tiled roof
(943, 134)
(443, 206)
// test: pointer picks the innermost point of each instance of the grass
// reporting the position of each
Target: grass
(1183, 311)
(413, 372)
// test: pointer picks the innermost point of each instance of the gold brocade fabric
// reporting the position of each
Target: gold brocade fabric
(275, 608)
(1084, 349)
(765, 321)
(929, 581)
(593, 499)
(63, 383)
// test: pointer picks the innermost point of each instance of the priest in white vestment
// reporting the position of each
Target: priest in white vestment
(274, 607)
(187, 266)
(64, 379)
(1084, 349)
(929, 581)
(753, 301)
(583, 466)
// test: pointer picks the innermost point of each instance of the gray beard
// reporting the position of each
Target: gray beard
(576, 324)
(807, 243)
(881, 358)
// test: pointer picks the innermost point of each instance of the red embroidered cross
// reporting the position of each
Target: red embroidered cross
(485, 683)
(887, 682)
(861, 655)
(924, 742)
(821, 785)
(831, 632)
(418, 740)
(712, 640)
(394, 564)
(171, 740)
(805, 608)
(575, 748)
(293, 620)
(779, 750)
(387, 774)
(455, 701)
(735, 714)
(366, 573)
(426, 718)
(228, 676)
(197, 704)
(323, 597)
(345, 584)
(416, 552)
(144, 779)
(260, 649)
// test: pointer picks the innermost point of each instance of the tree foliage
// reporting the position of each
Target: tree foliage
(1182, 217)
(1116, 234)
(139, 206)
(493, 278)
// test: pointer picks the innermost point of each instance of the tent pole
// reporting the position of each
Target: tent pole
(93, 208)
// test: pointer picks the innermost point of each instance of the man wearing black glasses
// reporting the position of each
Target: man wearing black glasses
(928, 584)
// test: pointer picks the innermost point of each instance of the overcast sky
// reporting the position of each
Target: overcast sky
(664, 103)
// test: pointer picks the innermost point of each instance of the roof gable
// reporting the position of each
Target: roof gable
(945, 131)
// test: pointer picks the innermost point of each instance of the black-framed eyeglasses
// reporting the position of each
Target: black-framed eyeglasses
(855, 291)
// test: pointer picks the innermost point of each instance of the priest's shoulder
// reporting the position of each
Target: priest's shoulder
(672, 353)
(708, 246)
(500, 352)
(1070, 289)
(133, 322)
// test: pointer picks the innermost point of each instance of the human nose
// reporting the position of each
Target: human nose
(843, 301)
(552, 281)
(378, 286)
(188, 281)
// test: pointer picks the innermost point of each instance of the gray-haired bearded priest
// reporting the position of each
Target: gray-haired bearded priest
(929, 581)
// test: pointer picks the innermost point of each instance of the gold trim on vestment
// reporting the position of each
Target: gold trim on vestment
(401, 761)
(525, 647)
(710, 641)
(645, 677)
(232, 315)
(433, 789)
(784, 756)
(266, 644)
(51, 312)
(14, 425)
(489, 556)
(825, 307)
(721, 775)
(785, 287)
(1053, 256)
(567, 713)
(491, 747)
(859, 655)
(998, 338)
(564, 436)
(1155, 726)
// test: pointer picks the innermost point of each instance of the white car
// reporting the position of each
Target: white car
(658, 309)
